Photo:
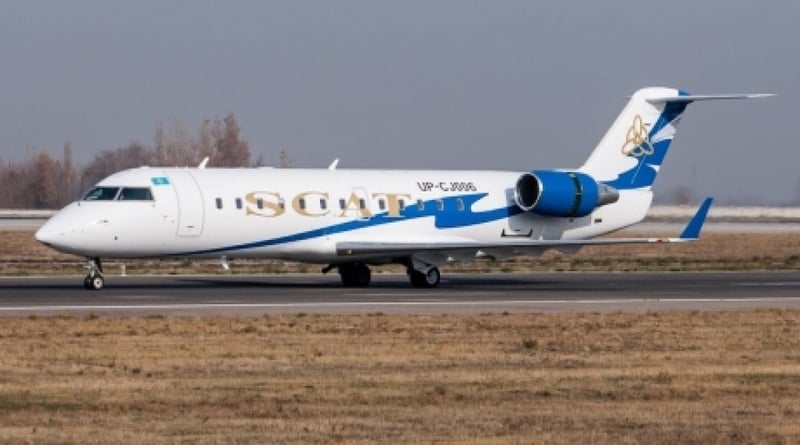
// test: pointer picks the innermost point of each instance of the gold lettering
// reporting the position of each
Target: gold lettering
(393, 202)
(303, 210)
(271, 201)
(356, 203)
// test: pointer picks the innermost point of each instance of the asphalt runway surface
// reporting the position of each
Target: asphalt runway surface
(247, 295)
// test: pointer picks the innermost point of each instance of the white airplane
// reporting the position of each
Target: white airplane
(351, 219)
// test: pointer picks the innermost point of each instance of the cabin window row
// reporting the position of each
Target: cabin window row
(362, 204)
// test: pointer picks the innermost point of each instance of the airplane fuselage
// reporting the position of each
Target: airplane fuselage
(302, 214)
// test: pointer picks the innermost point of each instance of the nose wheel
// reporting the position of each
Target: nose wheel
(94, 279)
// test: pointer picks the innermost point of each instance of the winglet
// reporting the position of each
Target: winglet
(692, 230)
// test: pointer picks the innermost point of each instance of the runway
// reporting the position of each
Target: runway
(459, 293)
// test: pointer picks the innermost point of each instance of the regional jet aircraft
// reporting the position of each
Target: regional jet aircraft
(351, 219)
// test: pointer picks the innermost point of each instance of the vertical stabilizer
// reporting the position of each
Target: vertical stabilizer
(631, 153)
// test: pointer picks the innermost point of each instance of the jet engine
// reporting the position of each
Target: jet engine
(562, 193)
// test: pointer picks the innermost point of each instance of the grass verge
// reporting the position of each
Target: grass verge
(699, 377)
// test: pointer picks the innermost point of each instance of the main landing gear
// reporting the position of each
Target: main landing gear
(357, 274)
(430, 278)
(94, 279)
(422, 274)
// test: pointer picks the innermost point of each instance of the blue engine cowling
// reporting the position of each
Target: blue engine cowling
(561, 193)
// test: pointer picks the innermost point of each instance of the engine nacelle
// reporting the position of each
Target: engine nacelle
(560, 193)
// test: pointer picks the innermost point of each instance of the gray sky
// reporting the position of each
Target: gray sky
(512, 85)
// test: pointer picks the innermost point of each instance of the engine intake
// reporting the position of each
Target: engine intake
(559, 193)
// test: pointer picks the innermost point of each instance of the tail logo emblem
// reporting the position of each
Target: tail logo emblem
(637, 140)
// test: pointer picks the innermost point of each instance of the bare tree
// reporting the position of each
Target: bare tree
(203, 146)
(286, 161)
(44, 184)
(67, 176)
(174, 147)
(109, 161)
(231, 150)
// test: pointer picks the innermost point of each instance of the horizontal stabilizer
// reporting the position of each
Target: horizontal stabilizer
(697, 97)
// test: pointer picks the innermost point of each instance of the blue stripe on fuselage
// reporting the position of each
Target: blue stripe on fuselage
(448, 218)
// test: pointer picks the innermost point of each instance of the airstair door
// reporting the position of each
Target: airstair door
(191, 212)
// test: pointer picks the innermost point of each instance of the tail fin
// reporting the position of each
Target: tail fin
(631, 153)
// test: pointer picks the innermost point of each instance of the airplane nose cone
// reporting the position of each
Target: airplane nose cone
(46, 235)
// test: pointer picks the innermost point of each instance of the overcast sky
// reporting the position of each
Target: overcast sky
(512, 85)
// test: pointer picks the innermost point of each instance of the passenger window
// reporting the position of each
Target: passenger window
(101, 194)
(420, 204)
(362, 204)
(382, 204)
(239, 203)
(282, 204)
(219, 203)
(135, 194)
(460, 204)
(260, 203)
(402, 204)
(440, 205)
(341, 204)
(301, 203)
(323, 204)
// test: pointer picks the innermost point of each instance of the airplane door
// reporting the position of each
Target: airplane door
(191, 212)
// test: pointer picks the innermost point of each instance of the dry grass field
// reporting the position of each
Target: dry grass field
(20, 254)
(516, 378)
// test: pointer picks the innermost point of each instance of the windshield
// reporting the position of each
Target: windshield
(101, 194)
(118, 194)
(135, 194)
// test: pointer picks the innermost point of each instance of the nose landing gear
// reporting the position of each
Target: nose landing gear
(94, 279)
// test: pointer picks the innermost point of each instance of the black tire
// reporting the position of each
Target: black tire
(95, 283)
(426, 280)
(355, 274)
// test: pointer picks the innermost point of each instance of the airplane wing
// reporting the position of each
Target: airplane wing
(690, 233)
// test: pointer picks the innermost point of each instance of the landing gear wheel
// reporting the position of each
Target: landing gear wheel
(94, 283)
(94, 280)
(430, 278)
(355, 274)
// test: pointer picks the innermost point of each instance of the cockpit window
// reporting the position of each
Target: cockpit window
(114, 193)
(101, 194)
(135, 194)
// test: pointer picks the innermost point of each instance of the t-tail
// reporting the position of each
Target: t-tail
(618, 176)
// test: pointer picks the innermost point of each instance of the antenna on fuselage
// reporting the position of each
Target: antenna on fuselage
(203, 163)
(333, 164)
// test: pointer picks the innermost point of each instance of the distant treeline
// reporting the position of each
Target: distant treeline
(42, 182)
